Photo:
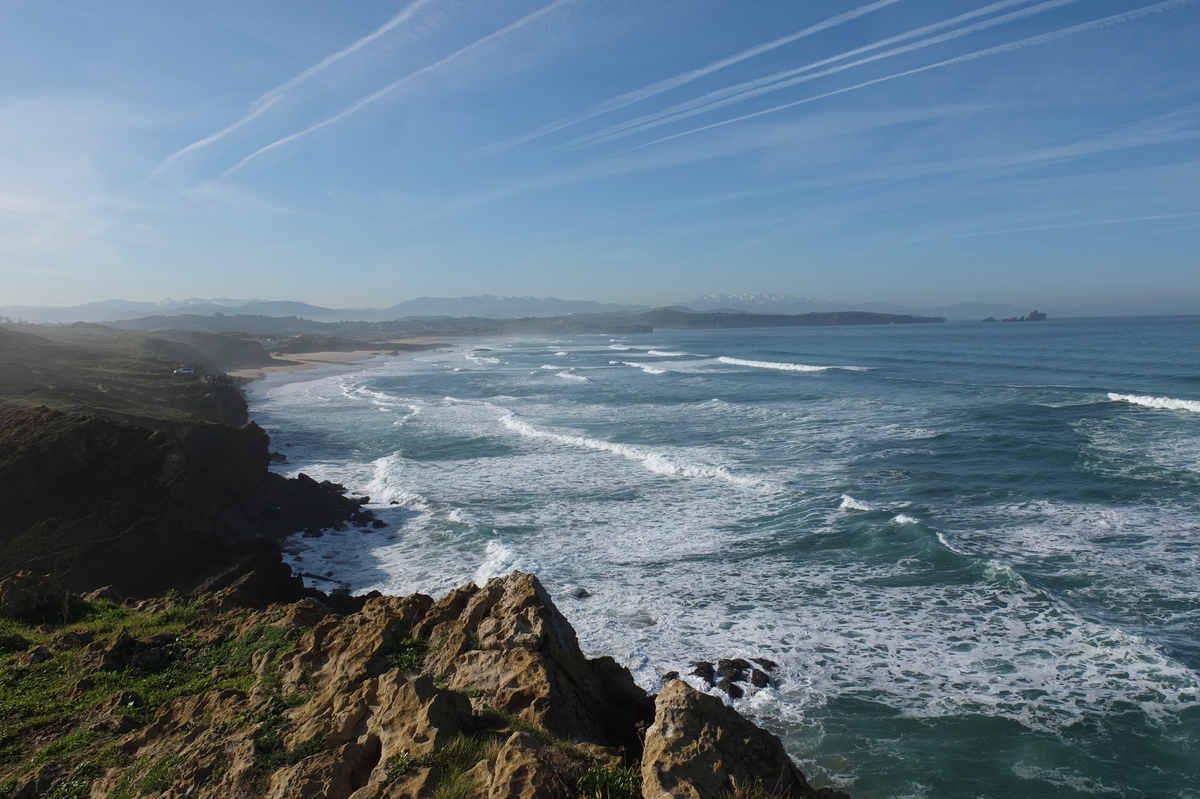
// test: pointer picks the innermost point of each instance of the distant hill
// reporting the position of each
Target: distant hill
(484, 306)
(787, 304)
(494, 307)
(676, 319)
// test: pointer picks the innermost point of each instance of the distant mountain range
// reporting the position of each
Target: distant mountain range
(485, 305)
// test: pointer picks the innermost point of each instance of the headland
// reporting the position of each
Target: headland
(154, 643)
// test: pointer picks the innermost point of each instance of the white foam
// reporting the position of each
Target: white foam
(946, 543)
(901, 518)
(386, 485)
(1162, 403)
(850, 503)
(656, 461)
(890, 633)
(787, 367)
(1095, 541)
(499, 561)
(663, 354)
(1064, 777)
(569, 375)
(645, 367)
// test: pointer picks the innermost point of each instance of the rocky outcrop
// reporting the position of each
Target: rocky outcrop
(96, 502)
(699, 748)
(30, 596)
(484, 692)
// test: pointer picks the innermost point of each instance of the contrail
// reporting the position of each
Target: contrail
(1062, 33)
(782, 80)
(687, 77)
(371, 98)
(259, 106)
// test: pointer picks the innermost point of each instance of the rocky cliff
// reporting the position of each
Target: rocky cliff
(98, 502)
(115, 471)
(122, 480)
(483, 692)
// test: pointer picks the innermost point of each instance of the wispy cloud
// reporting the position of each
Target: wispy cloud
(279, 93)
(792, 77)
(629, 98)
(397, 84)
(993, 168)
(1061, 33)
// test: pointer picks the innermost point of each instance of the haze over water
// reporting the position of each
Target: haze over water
(972, 548)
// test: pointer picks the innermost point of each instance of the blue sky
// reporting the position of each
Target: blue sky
(358, 154)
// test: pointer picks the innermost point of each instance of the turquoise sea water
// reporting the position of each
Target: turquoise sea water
(972, 548)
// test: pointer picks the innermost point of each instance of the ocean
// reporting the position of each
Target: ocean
(972, 548)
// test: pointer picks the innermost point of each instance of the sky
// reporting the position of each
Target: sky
(1040, 153)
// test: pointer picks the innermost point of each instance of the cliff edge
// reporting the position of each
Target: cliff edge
(483, 692)
(116, 471)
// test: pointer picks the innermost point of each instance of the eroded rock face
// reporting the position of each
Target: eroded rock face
(698, 748)
(508, 643)
(482, 693)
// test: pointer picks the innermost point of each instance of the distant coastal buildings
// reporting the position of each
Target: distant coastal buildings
(1034, 316)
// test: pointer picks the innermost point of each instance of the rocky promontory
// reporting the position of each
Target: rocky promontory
(115, 471)
(484, 692)
(153, 643)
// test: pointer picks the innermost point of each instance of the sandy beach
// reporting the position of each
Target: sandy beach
(300, 362)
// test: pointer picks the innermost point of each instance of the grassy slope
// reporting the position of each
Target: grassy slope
(67, 713)
(62, 710)
(91, 369)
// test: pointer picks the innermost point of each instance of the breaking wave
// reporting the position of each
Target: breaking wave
(1162, 403)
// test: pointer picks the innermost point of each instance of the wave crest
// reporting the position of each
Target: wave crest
(653, 461)
(1162, 403)
(787, 367)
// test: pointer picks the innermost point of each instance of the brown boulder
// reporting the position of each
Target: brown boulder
(698, 748)
(26, 595)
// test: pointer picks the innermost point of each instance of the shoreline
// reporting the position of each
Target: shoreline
(323, 363)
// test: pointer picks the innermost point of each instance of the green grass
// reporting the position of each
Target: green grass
(495, 717)
(453, 760)
(47, 707)
(408, 655)
(269, 750)
(609, 782)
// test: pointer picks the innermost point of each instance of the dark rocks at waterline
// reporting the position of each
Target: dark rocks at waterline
(704, 670)
(730, 688)
(734, 669)
(728, 672)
